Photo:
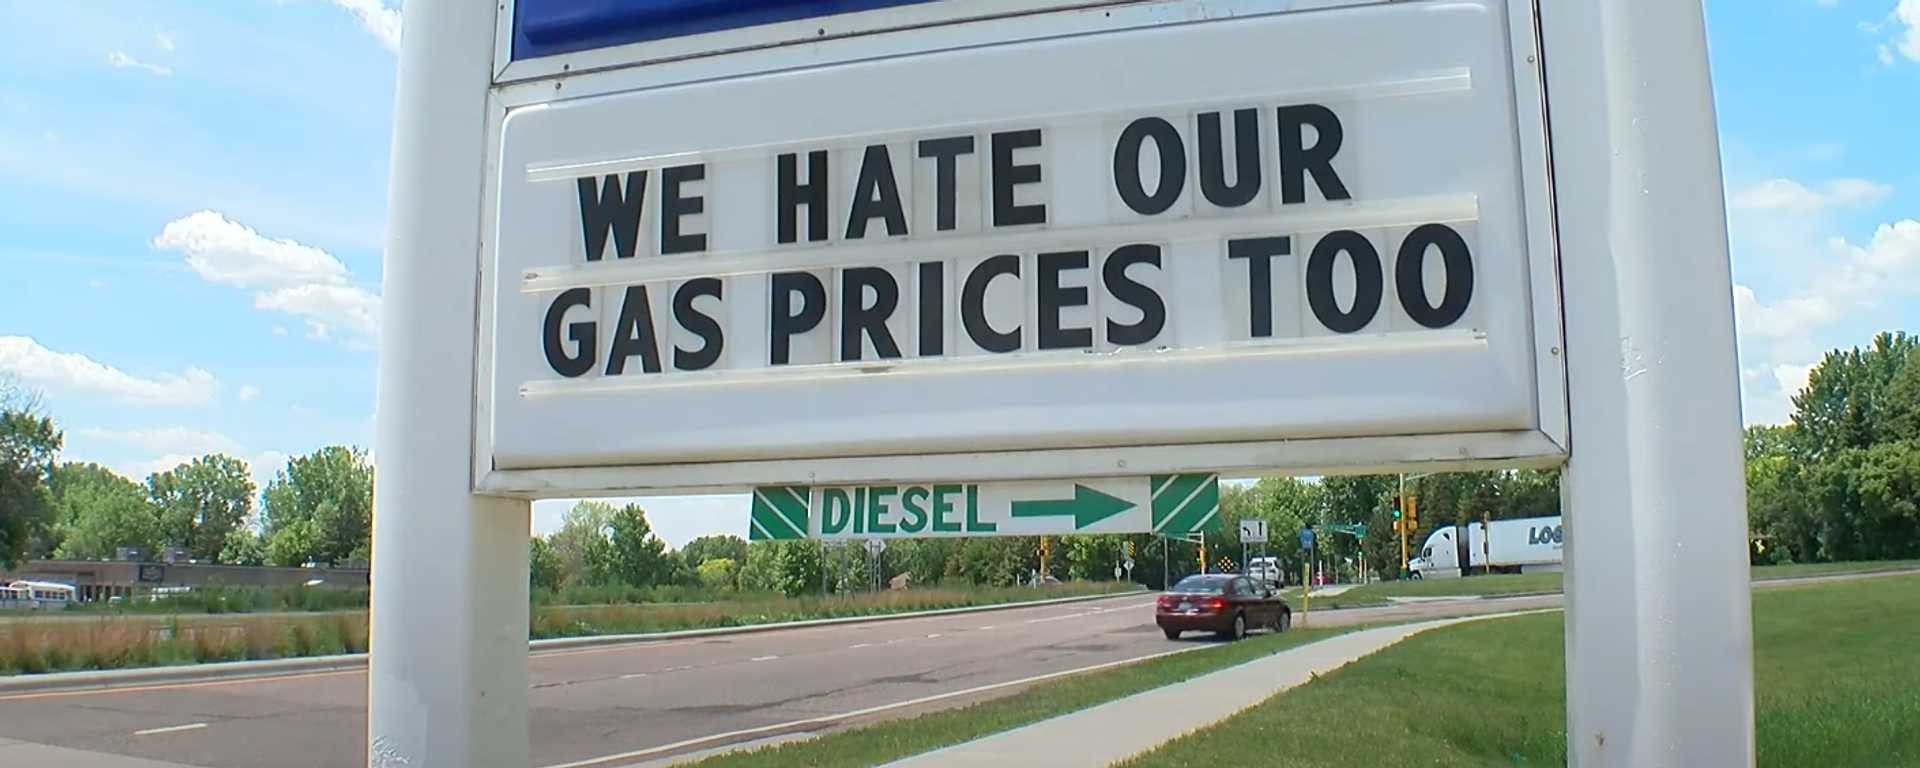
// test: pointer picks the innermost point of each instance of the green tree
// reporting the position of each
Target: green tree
(584, 544)
(1846, 402)
(202, 501)
(638, 558)
(332, 489)
(99, 512)
(29, 445)
(704, 548)
(717, 574)
(544, 569)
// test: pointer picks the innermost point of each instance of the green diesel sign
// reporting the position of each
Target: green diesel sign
(1171, 504)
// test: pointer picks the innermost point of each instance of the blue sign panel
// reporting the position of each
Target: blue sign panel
(1306, 538)
(550, 27)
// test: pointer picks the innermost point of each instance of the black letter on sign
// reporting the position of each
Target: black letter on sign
(790, 194)
(1006, 176)
(973, 305)
(633, 334)
(1368, 281)
(786, 322)
(582, 334)
(1246, 159)
(857, 319)
(1259, 253)
(673, 206)
(1410, 275)
(1053, 297)
(943, 152)
(1297, 159)
(612, 211)
(933, 305)
(1153, 309)
(1126, 165)
(876, 195)
(712, 339)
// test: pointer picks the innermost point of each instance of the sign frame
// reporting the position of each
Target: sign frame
(1637, 215)
(1545, 446)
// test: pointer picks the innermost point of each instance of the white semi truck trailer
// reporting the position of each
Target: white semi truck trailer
(1526, 545)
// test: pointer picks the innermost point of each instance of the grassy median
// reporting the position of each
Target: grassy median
(1382, 593)
(1833, 666)
(891, 740)
(59, 642)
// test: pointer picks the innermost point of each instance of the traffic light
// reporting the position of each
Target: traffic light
(1396, 510)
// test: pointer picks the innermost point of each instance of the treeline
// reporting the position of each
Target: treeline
(1841, 481)
(316, 509)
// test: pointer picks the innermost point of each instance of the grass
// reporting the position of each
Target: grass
(111, 641)
(891, 740)
(1836, 687)
(1380, 593)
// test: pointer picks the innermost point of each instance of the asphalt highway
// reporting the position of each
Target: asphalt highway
(612, 707)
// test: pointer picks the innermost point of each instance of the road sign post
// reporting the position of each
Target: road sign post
(1659, 624)
(1033, 292)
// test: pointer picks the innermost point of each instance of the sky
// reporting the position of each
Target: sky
(193, 194)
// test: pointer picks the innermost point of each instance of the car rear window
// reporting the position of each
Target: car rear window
(1211, 585)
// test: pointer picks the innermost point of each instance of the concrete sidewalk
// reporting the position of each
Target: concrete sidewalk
(1101, 736)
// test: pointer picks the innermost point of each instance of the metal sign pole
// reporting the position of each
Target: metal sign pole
(1658, 599)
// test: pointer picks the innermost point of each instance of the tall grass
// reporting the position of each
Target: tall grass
(126, 641)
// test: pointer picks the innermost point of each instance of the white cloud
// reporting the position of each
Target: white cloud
(161, 40)
(377, 19)
(170, 440)
(120, 60)
(1905, 19)
(1787, 196)
(285, 276)
(248, 392)
(79, 374)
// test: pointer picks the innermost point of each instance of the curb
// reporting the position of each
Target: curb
(103, 679)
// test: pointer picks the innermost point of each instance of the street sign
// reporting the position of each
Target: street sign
(1129, 564)
(1170, 504)
(876, 546)
(1253, 531)
(1118, 572)
(1306, 539)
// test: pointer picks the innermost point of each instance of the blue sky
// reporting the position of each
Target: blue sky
(192, 195)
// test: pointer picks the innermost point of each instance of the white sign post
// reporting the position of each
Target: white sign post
(1218, 263)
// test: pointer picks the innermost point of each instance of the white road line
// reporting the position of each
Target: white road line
(829, 719)
(860, 645)
(932, 636)
(984, 629)
(170, 729)
(764, 658)
(634, 675)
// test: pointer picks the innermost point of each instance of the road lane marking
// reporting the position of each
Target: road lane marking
(932, 636)
(634, 675)
(984, 629)
(170, 729)
(830, 719)
(860, 645)
(764, 658)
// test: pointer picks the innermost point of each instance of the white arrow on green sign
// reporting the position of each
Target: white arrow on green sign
(1169, 504)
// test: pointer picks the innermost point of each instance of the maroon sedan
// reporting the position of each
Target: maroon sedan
(1226, 604)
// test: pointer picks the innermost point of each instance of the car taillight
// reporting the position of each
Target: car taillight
(1218, 604)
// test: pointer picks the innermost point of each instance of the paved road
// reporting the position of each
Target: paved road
(651, 701)
(621, 701)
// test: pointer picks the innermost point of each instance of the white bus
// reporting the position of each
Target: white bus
(37, 595)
